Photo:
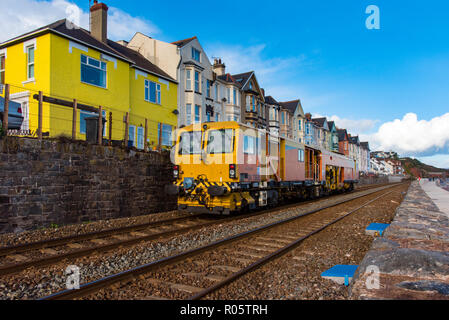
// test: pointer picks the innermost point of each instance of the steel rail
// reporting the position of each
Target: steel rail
(99, 284)
(20, 248)
(276, 254)
(15, 268)
(87, 236)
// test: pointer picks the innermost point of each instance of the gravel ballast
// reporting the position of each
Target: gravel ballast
(35, 283)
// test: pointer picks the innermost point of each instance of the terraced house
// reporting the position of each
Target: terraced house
(201, 96)
(67, 62)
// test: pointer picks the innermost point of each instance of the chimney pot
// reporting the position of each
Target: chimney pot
(219, 67)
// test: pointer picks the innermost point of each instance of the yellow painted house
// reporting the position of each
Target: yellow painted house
(67, 62)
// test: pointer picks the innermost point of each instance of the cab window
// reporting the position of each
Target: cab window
(190, 143)
(220, 141)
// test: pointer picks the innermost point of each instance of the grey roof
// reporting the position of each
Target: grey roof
(319, 121)
(342, 133)
(242, 78)
(331, 124)
(365, 145)
(83, 36)
(290, 105)
(354, 140)
(271, 100)
(229, 79)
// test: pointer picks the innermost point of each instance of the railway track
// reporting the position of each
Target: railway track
(18, 258)
(197, 273)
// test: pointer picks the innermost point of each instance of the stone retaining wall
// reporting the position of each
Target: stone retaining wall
(363, 180)
(412, 256)
(56, 182)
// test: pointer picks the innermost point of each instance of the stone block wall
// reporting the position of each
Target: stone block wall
(64, 182)
(412, 257)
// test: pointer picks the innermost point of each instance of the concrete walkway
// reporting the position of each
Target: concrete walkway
(438, 195)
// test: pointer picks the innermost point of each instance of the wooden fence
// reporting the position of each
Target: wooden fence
(41, 98)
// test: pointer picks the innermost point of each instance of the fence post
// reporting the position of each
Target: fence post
(145, 147)
(110, 128)
(39, 126)
(159, 147)
(6, 110)
(126, 129)
(100, 125)
(75, 107)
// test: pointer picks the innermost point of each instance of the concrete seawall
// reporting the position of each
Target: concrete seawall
(413, 255)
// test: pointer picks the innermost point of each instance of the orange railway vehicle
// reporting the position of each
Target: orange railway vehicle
(227, 167)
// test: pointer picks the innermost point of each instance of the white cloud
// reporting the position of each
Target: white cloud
(413, 137)
(21, 16)
(354, 127)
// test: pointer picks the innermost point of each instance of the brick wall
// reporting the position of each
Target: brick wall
(57, 182)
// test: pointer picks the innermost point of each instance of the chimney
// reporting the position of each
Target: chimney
(263, 92)
(219, 67)
(99, 21)
(308, 116)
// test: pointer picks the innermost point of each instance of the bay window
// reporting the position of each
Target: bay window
(188, 79)
(197, 113)
(197, 82)
(188, 114)
(208, 88)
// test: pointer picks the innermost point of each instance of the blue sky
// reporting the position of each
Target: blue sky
(322, 53)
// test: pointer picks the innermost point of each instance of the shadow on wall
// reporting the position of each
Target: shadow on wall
(64, 182)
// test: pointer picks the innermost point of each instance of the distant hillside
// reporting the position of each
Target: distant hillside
(416, 168)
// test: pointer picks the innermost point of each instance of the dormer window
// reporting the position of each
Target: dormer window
(196, 55)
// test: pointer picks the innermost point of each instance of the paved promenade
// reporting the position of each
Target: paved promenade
(438, 195)
(413, 254)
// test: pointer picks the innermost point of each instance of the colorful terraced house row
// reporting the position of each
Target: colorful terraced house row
(170, 84)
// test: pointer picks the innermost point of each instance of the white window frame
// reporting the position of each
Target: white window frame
(300, 155)
(249, 145)
(199, 114)
(134, 140)
(157, 93)
(189, 79)
(161, 130)
(140, 142)
(93, 114)
(105, 70)
(194, 50)
(188, 114)
(29, 64)
(197, 82)
(208, 88)
(3, 71)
